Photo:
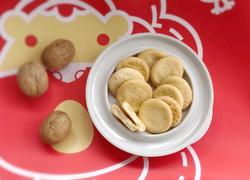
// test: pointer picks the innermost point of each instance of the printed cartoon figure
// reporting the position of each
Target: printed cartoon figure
(87, 32)
(227, 5)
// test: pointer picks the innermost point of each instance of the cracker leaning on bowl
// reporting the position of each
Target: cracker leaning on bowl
(142, 108)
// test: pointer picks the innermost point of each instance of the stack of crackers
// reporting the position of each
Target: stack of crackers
(150, 92)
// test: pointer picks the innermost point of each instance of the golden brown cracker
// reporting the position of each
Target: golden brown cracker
(129, 111)
(156, 115)
(165, 67)
(169, 90)
(117, 112)
(121, 76)
(135, 92)
(137, 64)
(175, 108)
(151, 56)
(184, 88)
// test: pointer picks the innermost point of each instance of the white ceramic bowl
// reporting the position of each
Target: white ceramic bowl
(196, 119)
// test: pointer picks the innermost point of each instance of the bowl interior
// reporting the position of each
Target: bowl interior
(112, 100)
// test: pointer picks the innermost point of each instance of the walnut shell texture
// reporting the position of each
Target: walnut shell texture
(55, 128)
(32, 79)
(58, 54)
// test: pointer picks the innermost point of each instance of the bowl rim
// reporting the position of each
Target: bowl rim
(199, 133)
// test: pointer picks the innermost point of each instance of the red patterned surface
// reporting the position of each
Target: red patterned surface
(221, 154)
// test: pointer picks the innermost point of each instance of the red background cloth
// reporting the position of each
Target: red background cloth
(222, 153)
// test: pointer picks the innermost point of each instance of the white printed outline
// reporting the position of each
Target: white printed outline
(111, 5)
(54, 12)
(145, 168)
(154, 17)
(143, 22)
(69, 73)
(196, 162)
(163, 11)
(191, 30)
(184, 159)
(22, 4)
(32, 174)
(217, 9)
(181, 177)
(132, 18)
(176, 34)
(165, 15)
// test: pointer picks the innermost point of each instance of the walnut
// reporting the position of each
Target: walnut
(58, 54)
(32, 79)
(55, 128)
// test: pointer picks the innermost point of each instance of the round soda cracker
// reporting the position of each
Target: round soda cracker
(120, 115)
(121, 76)
(137, 64)
(135, 92)
(175, 108)
(184, 88)
(165, 67)
(156, 115)
(151, 56)
(133, 116)
(169, 90)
